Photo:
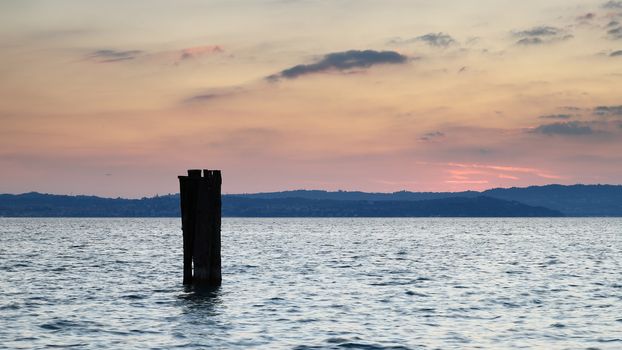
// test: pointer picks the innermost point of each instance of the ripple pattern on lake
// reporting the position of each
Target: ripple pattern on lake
(315, 284)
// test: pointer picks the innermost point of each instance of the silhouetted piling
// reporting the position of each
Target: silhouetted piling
(200, 219)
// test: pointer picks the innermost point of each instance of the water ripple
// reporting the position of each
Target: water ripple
(315, 284)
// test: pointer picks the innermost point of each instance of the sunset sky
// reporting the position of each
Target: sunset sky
(117, 98)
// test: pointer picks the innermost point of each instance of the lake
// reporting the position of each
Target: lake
(315, 284)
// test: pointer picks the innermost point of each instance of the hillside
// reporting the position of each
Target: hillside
(575, 200)
(46, 205)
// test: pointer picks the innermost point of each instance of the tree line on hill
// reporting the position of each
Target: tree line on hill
(535, 201)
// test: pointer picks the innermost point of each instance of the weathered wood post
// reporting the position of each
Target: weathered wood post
(200, 219)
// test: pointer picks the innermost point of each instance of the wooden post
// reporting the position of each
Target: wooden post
(200, 216)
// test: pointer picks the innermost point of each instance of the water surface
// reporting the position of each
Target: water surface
(315, 284)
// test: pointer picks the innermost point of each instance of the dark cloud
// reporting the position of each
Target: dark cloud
(202, 98)
(616, 53)
(556, 116)
(106, 56)
(214, 94)
(433, 39)
(587, 17)
(342, 61)
(540, 35)
(608, 110)
(530, 41)
(615, 33)
(613, 4)
(539, 31)
(430, 136)
(564, 128)
(437, 39)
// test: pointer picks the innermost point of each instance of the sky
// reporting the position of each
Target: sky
(117, 98)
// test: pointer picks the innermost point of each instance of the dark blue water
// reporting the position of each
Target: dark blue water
(315, 284)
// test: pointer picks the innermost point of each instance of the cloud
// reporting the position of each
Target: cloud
(503, 169)
(467, 182)
(616, 53)
(615, 33)
(613, 24)
(431, 136)
(342, 61)
(571, 108)
(530, 41)
(107, 55)
(608, 110)
(541, 35)
(433, 39)
(564, 128)
(587, 17)
(556, 116)
(508, 177)
(538, 31)
(437, 39)
(613, 4)
(202, 98)
(198, 51)
(213, 94)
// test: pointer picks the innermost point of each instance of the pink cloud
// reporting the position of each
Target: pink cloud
(512, 169)
(467, 182)
(508, 177)
(550, 176)
(463, 174)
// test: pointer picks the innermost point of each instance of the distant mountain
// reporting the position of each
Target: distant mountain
(35, 204)
(551, 200)
(575, 200)
(46, 205)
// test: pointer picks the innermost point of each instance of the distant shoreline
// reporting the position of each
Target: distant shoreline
(535, 201)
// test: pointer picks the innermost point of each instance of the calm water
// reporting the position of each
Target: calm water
(315, 284)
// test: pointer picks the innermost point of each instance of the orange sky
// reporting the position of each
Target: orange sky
(118, 98)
